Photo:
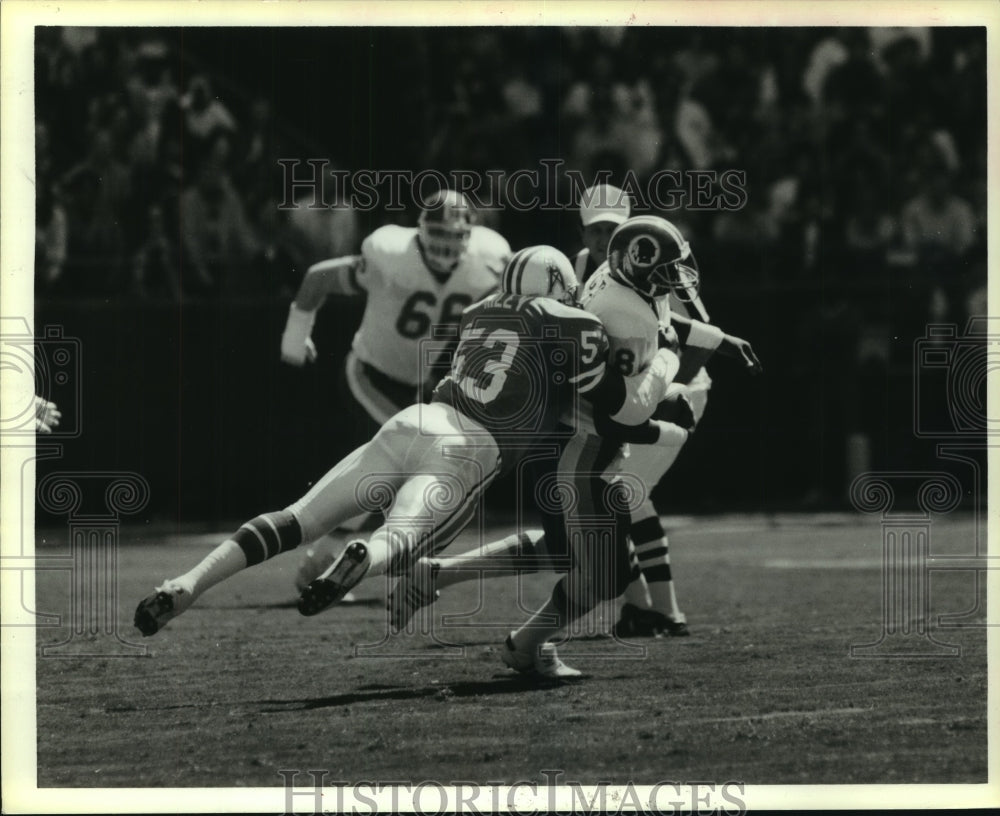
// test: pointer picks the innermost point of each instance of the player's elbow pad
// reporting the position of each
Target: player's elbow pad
(644, 391)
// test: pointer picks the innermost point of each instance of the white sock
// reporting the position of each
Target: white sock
(498, 559)
(538, 629)
(223, 562)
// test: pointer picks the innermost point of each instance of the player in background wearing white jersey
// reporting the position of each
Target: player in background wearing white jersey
(649, 261)
(523, 356)
(415, 279)
(603, 208)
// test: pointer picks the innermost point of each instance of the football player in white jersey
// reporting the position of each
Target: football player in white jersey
(602, 209)
(649, 265)
(415, 279)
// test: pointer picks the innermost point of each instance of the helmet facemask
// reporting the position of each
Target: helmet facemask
(641, 267)
(568, 296)
(677, 278)
(444, 235)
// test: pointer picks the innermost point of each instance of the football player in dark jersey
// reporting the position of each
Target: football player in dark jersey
(524, 357)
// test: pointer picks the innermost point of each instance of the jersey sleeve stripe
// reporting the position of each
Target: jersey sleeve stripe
(588, 379)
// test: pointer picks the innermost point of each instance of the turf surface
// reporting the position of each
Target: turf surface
(764, 692)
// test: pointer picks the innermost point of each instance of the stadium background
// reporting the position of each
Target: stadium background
(865, 158)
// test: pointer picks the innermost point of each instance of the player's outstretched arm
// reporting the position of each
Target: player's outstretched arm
(708, 339)
(334, 276)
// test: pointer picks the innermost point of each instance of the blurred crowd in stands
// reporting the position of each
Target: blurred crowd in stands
(864, 149)
(864, 154)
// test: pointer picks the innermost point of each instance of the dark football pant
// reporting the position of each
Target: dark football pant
(585, 517)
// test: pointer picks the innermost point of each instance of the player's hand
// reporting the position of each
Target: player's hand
(47, 416)
(753, 364)
(297, 347)
(740, 348)
(298, 355)
(311, 353)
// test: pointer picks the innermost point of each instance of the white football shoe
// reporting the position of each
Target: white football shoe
(544, 662)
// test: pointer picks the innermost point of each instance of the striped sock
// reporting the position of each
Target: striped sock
(653, 553)
(636, 592)
(256, 541)
(517, 553)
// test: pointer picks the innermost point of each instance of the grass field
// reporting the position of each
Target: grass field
(764, 692)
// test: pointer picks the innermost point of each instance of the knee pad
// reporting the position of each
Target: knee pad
(268, 535)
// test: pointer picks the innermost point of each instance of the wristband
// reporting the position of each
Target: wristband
(300, 322)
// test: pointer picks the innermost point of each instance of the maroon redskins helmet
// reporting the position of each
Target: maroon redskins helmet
(650, 255)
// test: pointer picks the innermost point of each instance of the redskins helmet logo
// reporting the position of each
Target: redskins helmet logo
(643, 251)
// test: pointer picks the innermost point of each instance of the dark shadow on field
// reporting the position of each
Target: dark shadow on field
(293, 604)
(379, 693)
(517, 684)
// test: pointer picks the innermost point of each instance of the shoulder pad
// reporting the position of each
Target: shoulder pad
(560, 311)
(488, 243)
(619, 307)
(388, 240)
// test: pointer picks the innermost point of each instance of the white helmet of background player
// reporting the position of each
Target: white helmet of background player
(542, 271)
(444, 227)
(650, 255)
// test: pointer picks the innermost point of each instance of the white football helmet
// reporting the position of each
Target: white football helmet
(444, 228)
(543, 271)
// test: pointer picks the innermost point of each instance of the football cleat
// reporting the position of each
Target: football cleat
(544, 663)
(636, 622)
(314, 562)
(412, 592)
(340, 577)
(165, 604)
